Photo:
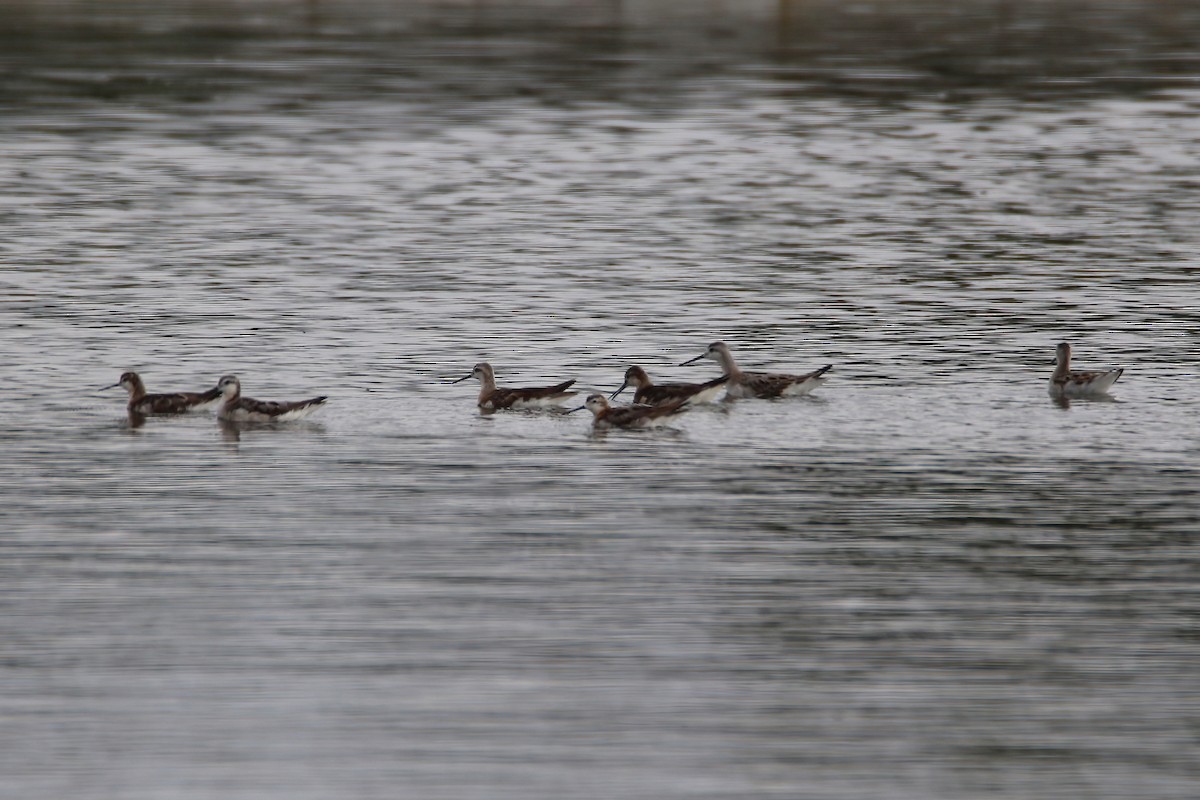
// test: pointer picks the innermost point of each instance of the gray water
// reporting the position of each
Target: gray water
(926, 580)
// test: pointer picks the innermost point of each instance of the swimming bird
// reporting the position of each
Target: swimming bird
(141, 402)
(492, 397)
(1068, 383)
(243, 409)
(651, 393)
(760, 384)
(605, 416)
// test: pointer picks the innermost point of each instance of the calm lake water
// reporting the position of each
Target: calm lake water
(927, 580)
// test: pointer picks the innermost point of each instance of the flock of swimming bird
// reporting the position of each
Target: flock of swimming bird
(652, 402)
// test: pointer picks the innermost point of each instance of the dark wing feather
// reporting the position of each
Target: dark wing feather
(209, 396)
(632, 415)
(715, 382)
(659, 393)
(535, 392)
(276, 408)
(175, 403)
(1084, 377)
(766, 384)
(770, 384)
(504, 398)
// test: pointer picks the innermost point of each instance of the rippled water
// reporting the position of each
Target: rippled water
(926, 580)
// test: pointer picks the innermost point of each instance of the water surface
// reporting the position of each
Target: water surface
(927, 580)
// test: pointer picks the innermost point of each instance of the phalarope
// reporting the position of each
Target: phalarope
(140, 402)
(606, 416)
(760, 384)
(491, 397)
(651, 393)
(1068, 383)
(243, 409)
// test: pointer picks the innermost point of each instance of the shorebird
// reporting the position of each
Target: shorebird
(243, 409)
(1068, 383)
(140, 402)
(760, 384)
(650, 393)
(492, 397)
(605, 416)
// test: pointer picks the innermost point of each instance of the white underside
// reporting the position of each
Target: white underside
(802, 388)
(794, 390)
(655, 422)
(187, 410)
(737, 390)
(242, 415)
(708, 395)
(541, 402)
(1099, 385)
